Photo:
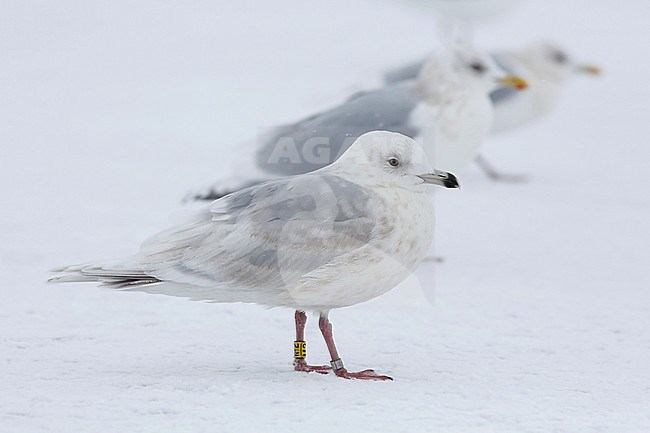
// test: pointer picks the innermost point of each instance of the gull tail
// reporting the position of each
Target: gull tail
(129, 278)
(115, 277)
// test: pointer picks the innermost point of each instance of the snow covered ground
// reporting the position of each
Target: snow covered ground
(111, 111)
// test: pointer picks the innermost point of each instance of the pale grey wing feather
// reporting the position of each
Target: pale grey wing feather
(253, 245)
(503, 93)
(407, 72)
(320, 139)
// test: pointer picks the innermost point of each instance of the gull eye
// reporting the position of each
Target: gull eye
(393, 162)
(559, 57)
(477, 67)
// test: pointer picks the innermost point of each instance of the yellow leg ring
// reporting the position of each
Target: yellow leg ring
(299, 349)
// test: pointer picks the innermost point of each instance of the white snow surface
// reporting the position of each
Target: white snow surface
(111, 111)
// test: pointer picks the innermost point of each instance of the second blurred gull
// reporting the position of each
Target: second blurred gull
(543, 64)
(446, 108)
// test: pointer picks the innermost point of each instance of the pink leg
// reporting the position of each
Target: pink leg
(299, 364)
(326, 328)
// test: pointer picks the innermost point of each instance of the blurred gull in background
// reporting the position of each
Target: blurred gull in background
(446, 108)
(544, 65)
(458, 18)
(471, 10)
(336, 237)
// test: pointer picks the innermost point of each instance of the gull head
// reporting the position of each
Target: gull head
(462, 70)
(391, 159)
(551, 62)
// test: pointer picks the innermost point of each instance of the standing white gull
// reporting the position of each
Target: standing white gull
(332, 238)
(446, 108)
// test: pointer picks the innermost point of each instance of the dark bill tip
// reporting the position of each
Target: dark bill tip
(442, 178)
(451, 181)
